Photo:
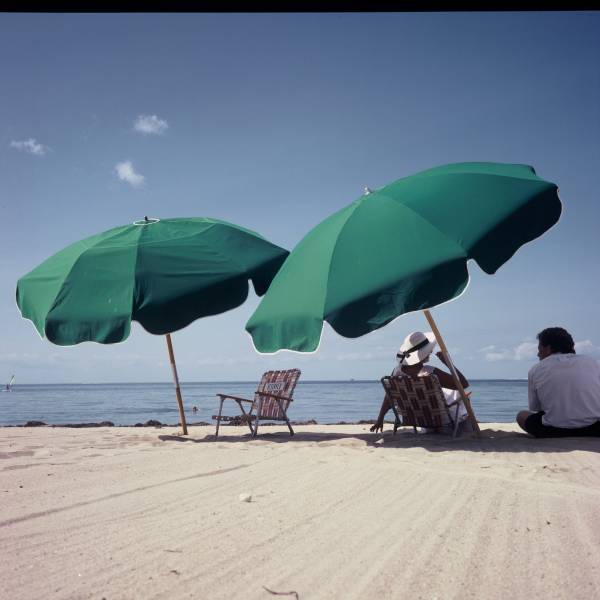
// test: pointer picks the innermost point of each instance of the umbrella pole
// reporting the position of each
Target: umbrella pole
(176, 380)
(459, 386)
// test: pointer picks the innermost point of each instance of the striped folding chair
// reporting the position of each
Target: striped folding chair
(420, 402)
(271, 401)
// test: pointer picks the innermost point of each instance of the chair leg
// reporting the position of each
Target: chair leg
(456, 423)
(219, 418)
(288, 423)
(397, 421)
(258, 413)
(247, 415)
(396, 425)
(282, 410)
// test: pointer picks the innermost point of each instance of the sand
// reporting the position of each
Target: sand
(334, 512)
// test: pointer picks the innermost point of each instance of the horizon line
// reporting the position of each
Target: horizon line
(228, 381)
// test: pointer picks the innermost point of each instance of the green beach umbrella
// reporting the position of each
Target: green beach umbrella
(164, 274)
(401, 248)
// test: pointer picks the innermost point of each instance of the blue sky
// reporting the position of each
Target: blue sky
(274, 122)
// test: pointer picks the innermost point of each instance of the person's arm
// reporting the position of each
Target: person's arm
(446, 379)
(385, 406)
(534, 401)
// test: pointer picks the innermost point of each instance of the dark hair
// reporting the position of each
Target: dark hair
(558, 339)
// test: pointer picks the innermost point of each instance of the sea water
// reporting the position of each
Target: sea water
(322, 401)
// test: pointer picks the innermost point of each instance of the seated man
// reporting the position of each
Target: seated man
(564, 390)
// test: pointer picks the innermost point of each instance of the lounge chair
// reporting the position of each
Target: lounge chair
(420, 402)
(271, 400)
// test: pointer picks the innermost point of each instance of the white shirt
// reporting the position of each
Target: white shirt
(449, 395)
(567, 388)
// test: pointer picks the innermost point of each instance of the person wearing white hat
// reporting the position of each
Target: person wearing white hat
(414, 352)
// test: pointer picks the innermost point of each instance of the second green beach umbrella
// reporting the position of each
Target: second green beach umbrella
(401, 248)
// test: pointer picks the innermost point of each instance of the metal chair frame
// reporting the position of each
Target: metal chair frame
(266, 406)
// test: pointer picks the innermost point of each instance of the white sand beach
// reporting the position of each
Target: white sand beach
(335, 512)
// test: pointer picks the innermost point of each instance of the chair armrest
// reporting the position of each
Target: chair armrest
(275, 396)
(224, 396)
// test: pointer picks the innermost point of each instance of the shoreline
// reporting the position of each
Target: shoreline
(159, 425)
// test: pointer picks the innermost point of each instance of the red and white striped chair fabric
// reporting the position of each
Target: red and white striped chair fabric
(278, 383)
(419, 402)
(271, 401)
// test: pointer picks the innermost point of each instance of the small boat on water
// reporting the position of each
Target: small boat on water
(9, 385)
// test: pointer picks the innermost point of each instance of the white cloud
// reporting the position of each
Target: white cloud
(528, 351)
(126, 172)
(496, 356)
(150, 125)
(587, 347)
(32, 146)
(523, 351)
(487, 349)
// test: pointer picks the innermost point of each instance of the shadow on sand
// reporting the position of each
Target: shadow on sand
(491, 440)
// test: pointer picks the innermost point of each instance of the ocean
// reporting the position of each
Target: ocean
(131, 403)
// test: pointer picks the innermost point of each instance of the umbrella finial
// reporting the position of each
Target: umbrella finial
(367, 190)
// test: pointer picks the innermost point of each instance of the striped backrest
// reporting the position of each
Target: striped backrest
(280, 383)
(420, 402)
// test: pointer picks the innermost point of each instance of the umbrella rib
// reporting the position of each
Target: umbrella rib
(231, 259)
(211, 224)
(76, 262)
(418, 215)
(214, 223)
(135, 267)
(354, 206)
(435, 173)
(244, 269)
(241, 269)
(422, 218)
(425, 175)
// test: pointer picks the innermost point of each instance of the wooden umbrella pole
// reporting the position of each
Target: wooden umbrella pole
(459, 386)
(176, 380)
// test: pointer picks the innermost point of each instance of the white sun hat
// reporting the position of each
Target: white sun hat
(416, 347)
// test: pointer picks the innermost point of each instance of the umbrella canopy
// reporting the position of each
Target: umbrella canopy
(401, 248)
(163, 274)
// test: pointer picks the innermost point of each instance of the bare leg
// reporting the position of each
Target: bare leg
(522, 417)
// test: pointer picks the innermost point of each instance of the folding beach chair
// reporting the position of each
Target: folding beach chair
(271, 401)
(420, 402)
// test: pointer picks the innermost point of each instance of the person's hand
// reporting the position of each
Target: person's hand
(441, 356)
(377, 426)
